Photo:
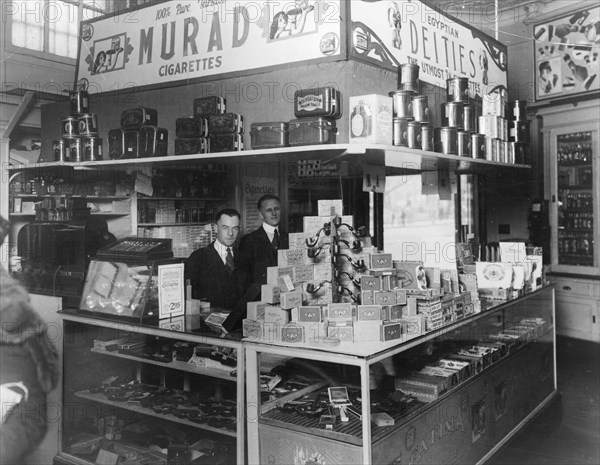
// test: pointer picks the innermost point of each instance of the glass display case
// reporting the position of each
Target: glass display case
(454, 394)
(142, 394)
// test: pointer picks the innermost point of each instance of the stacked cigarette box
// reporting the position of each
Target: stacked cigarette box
(139, 135)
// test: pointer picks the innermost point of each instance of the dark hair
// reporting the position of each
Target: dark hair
(274, 28)
(544, 65)
(102, 54)
(228, 212)
(266, 197)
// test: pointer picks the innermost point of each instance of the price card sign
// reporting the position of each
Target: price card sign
(171, 300)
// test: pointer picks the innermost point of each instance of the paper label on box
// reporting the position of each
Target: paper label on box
(289, 257)
(330, 207)
(303, 273)
(493, 275)
(291, 299)
(277, 315)
(312, 224)
(297, 241)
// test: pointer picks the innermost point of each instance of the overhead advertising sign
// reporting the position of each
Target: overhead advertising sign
(193, 39)
(391, 33)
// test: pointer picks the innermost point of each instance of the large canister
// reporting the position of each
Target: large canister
(457, 89)
(427, 137)
(518, 152)
(60, 148)
(518, 131)
(453, 115)
(420, 108)
(469, 118)
(70, 126)
(463, 143)
(445, 140)
(92, 148)
(88, 125)
(402, 103)
(75, 149)
(408, 73)
(413, 134)
(400, 130)
(491, 148)
(478, 146)
(79, 102)
(517, 110)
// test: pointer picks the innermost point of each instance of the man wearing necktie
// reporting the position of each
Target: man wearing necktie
(212, 270)
(258, 249)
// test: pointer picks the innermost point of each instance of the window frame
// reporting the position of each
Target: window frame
(45, 54)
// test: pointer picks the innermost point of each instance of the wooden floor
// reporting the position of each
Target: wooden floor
(566, 431)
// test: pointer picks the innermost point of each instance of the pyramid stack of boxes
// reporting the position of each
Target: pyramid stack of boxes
(332, 286)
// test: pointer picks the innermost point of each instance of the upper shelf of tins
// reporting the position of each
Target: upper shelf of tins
(396, 159)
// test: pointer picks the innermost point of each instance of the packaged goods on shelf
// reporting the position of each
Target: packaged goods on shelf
(191, 127)
(213, 105)
(153, 141)
(226, 143)
(226, 123)
(190, 146)
(135, 118)
(307, 314)
(312, 131)
(318, 102)
(370, 119)
(266, 135)
(292, 333)
(329, 208)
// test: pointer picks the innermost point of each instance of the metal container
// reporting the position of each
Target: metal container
(400, 132)
(269, 135)
(457, 90)
(402, 103)
(490, 126)
(411, 87)
(131, 144)
(491, 149)
(70, 126)
(453, 115)
(205, 106)
(469, 118)
(308, 131)
(153, 142)
(79, 102)
(517, 110)
(191, 146)
(319, 101)
(518, 131)
(88, 125)
(227, 123)
(408, 73)
(226, 143)
(191, 127)
(116, 144)
(135, 118)
(420, 108)
(92, 148)
(427, 137)
(519, 152)
(445, 140)
(463, 143)
(478, 146)
(75, 149)
(413, 134)
(60, 148)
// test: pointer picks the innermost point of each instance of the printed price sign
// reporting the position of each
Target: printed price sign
(171, 301)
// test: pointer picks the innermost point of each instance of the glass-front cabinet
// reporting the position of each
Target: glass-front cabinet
(449, 396)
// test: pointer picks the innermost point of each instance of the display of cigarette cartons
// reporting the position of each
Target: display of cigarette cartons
(371, 119)
(475, 360)
(413, 326)
(369, 313)
(215, 321)
(292, 333)
(255, 310)
(381, 261)
(461, 367)
(274, 272)
(330, 207)
(370, 283)
(450, 377)
(285, 283)
(275, 314)
(308, 314)
(424, 294)
(289, 300)
(366, 298)
(367, 331)
(270, 293)
(426, 388)
(434, 278)
(313, 330)
(392, 313)
(401, 296)
(311, 225)
(484, 355)
(303, 273)
(495, 293)
(297, 241)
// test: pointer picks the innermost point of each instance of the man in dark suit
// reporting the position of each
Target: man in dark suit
(213, 270)
(258, 249)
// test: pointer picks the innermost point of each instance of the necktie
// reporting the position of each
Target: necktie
(229, 263)
(275, 240)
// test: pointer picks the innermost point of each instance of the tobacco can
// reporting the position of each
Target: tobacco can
(70, 126)
(427, 137)
(317, 130)
(408, 73)
(92, 148)
(457, 89)
(463, 142)
(116, 143)
(79, 102)
(88, 125)
(453, 115)
(60, 148)
(469, 118)
(269, 135)
(445, 140)
(402, 103)
(413, 134)
(420, 108)
(400, 132)
(478, 146)
(75, 149)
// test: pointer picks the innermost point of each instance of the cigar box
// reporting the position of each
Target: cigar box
(450, 377)
(344, 333)
(391, 331)
(413, 326)
(307, 314)
(341, 311)
(261, 331)
(366, 298)
(400, 296)
(289, 300)
(270, 293)
(274, 272)
(370, 283)
(426, 388)
(303, 273)
(275, 314)
(292, 333)
(392, 313)
(330, 207)
(369, 313)
(461, 367)
(213, 105)
(287, 257)
(255, 310)
(384, 297)
(381, 261)
(285, 283)
(367, 331)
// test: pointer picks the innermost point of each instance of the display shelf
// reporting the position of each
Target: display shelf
(71, 196)
(361, 441)
(184, 199)
(149, 412)
(393, 157)
(174, 365)
(158, 225)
